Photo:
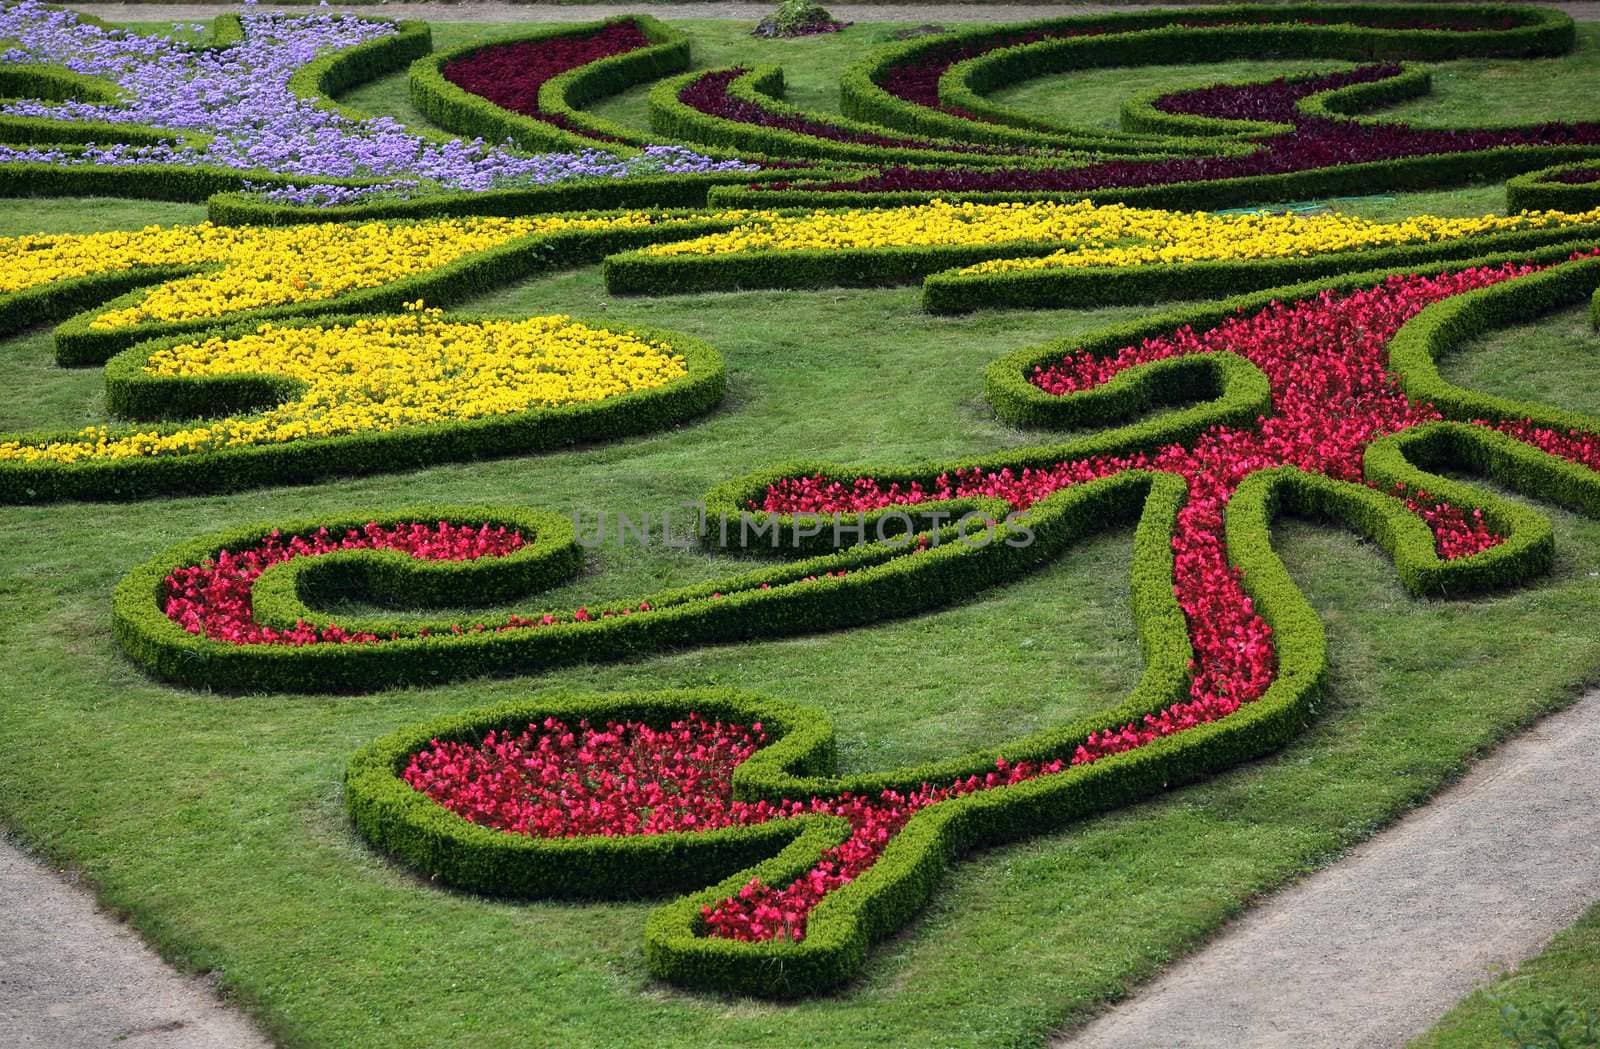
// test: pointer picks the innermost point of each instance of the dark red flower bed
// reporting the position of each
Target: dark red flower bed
(1270, 100)
(709, 94)
(1314, 143)
(1579, 177)
(510, 75)
(1332, 396)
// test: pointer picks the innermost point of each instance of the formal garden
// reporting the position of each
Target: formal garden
(642, 533)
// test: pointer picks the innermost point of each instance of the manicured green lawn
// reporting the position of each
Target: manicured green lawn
(218, 824)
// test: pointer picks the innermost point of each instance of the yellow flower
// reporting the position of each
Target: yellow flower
(386, 373)
(250, 267)
(1091, 235)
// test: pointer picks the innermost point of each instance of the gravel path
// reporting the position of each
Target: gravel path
(72, 977)
(491, 12)
(1373, 950)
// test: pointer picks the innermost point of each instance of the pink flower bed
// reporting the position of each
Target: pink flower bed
(1332, 396)
(214, 598)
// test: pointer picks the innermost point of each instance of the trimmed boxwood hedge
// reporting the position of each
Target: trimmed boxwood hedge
(1544, 190)
(638, 273)
(599, 194)
(339, 71)
(947, 290)
(1141, 38)
(132, 393)
(951, 291)
(77, 343)
(763, 86)
(883, 579)
(800, 597)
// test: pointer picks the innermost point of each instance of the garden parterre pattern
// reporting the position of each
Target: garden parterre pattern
(1318, 399)
(238, 98)
(304, 400)
(1311, 418)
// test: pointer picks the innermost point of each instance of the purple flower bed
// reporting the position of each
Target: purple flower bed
(240, 96)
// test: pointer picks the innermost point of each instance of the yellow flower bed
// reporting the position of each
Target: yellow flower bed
(384, 373)
(264, 266)
(1093, 235)
(1178, 237)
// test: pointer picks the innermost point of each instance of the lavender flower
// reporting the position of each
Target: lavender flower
(239, 96)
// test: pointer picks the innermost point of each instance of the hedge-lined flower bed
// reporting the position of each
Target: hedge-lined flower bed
(306, 400)
(1327, 397)
(1567, 187)
(215, 596)
(1001, 244)
(195, 277)
(511, 74)
(1315, 145)
(805, 870)
(372, 375)
(939, 85)
(739, 109)
(1194, 158)
(241, 99)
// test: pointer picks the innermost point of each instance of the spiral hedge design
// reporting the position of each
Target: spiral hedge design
(917, 120)
(237, 358)
(792, 873)
(1311, 389)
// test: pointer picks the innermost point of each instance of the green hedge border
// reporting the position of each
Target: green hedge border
(881, 582)
(952, 292)
(638, 273)
(337, 72)
(77, 343)
(1137, 35)
(763, 86)
(133, 394)
(634, 192)
(947, 291)
(1538, 191)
